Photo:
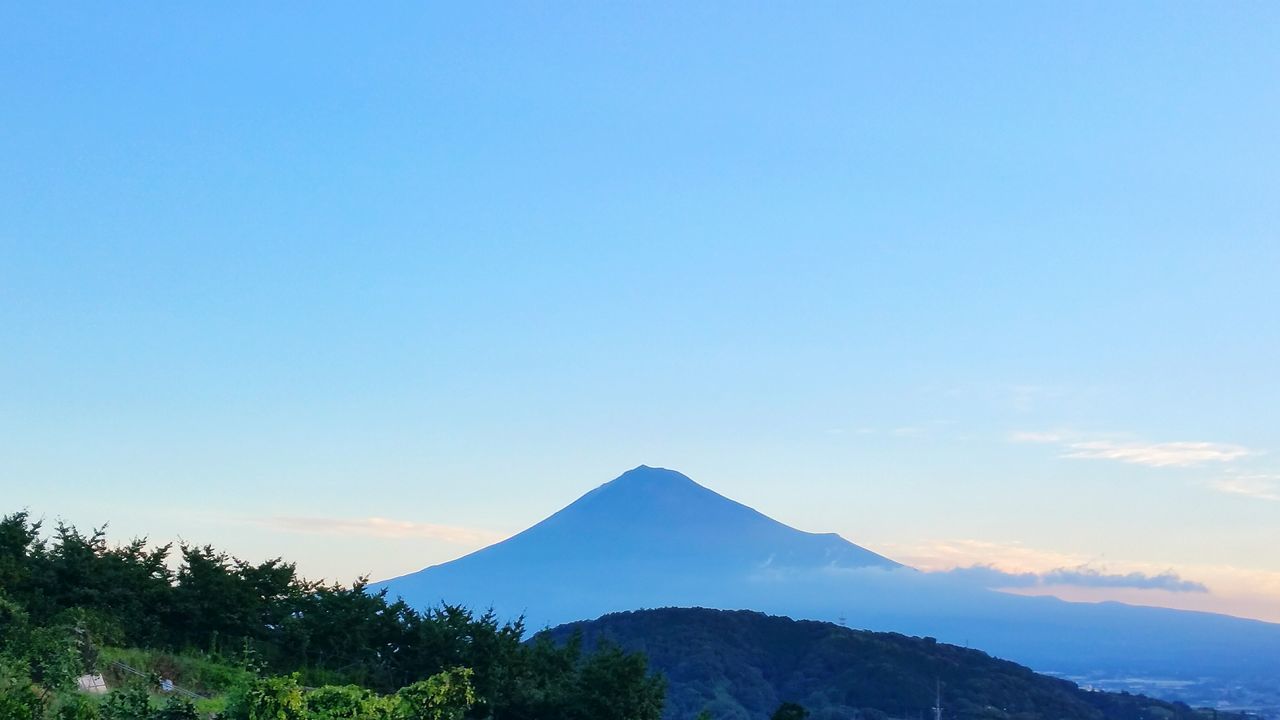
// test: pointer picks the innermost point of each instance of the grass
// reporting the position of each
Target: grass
(200, 673)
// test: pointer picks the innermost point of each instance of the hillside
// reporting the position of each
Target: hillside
(740, 665)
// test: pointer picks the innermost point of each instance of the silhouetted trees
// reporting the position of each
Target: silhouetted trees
(60, 598)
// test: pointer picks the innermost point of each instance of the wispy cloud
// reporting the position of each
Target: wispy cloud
(1168, 454)
(1151, 454)
(1262, 487)
(382, 528)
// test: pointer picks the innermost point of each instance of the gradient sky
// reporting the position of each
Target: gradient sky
(966, 283)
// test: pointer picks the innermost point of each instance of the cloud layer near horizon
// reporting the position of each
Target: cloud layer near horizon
(1081, 576)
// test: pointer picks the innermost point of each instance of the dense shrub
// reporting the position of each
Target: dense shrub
(74, 706)
(335, 702)
(127, 703)
(444, 696)
(20, 699)
(176, 708)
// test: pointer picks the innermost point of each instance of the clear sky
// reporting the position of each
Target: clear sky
(369, 288)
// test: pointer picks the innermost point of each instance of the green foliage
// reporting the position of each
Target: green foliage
(75, 593)
(19, 540)
(615, 685)
(20, 699)
(49, 656)
(199, 672)
(127, 703)
(74, 706)
(176, 708)
(334, 702)
(443, 696)
(55, 657)
(275, 698)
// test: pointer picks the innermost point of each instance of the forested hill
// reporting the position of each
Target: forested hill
(741, 665)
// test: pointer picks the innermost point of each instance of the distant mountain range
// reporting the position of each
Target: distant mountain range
(741, 665)
(654, 538)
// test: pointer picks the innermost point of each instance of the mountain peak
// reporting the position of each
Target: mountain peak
(651, 475)
(652, 495)
(652, 479)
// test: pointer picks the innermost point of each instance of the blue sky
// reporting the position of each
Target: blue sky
(988, 283)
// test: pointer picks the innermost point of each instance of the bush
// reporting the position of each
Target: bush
(275, 698)
(443, 696)
(176, 708)
(55, 657)
(19, 698)
(74, 706)
(127, 703)
(337, 702)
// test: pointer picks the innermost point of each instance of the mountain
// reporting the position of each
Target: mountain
(654, 538)
(649, 530)
(741, 665)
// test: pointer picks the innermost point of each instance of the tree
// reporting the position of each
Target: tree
(65, 598)
(19, 542)
(616, 685)
(790, 711)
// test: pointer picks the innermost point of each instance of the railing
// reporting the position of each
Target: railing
(192, 695)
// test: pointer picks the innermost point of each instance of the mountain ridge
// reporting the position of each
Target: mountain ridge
(740, 665)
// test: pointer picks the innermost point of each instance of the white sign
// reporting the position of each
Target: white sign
(95, 684)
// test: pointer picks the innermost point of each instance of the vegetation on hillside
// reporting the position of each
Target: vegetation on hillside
(743, 665)
(269, 644)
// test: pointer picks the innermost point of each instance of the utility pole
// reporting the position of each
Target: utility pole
(937, 703)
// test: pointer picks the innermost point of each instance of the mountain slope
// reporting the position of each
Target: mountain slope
(741, 665)
(649, 529)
